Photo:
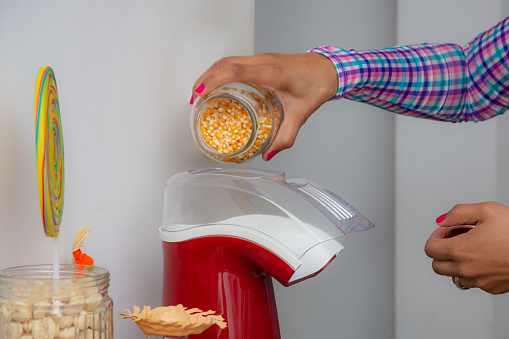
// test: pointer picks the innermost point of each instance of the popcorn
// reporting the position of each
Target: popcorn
(76, 311)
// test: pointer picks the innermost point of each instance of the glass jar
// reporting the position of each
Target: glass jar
(34, 305)
(236, 122)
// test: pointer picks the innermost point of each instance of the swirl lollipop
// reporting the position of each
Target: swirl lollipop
(50, 151)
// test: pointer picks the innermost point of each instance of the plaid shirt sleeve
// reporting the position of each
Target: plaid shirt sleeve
(434, 81)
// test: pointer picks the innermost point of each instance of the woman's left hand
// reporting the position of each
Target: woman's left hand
(479, 257)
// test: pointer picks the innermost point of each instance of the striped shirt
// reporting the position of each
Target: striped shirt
(444, 82)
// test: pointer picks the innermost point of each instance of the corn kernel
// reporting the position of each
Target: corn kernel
(226, 126)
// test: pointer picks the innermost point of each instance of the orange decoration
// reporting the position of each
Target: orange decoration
(82, 258)
(79, 257)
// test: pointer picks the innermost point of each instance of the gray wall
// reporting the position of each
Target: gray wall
(439, 165)
(501, 304)
(348, 148)
(418, 169)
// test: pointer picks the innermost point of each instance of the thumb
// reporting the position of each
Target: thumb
(285, 137)
(461, 215)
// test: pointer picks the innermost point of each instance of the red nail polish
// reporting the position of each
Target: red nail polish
(441, 218)
(192, 100)
(200, 89)
(271, 155)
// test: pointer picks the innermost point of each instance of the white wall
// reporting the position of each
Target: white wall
(348, 148)
(437, 166)
(124, 72)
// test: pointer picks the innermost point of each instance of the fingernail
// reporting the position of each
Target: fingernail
(441, 218)
(271, 155)
(192, 100)
(200, 89)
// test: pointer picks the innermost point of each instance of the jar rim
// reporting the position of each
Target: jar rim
(38, 280)
(210, 151)
(45, 271)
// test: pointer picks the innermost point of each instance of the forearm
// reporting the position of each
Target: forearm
(434, 81)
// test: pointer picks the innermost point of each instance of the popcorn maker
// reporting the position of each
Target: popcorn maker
(228, 231)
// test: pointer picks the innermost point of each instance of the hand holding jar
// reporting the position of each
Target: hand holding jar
(301, 83)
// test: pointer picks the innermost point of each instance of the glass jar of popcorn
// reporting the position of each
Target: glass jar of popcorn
(36, 305)
(236, 122)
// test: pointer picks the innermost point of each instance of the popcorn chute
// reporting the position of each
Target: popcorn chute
(227, 231)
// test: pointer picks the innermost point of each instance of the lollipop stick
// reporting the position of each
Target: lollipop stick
(56, 262)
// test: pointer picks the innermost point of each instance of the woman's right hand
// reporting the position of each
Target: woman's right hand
(302, 82)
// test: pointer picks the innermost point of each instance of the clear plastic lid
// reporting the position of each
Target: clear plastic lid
(213, 195)
(297, 220)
